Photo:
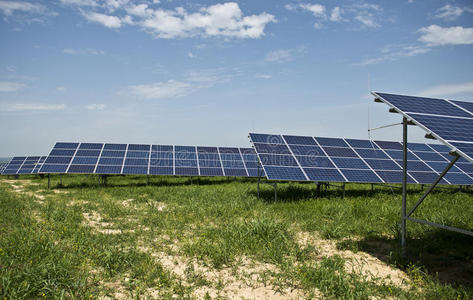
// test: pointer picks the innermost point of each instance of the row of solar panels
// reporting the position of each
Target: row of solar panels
(23, 165)
(321, 159)
(449, 121)
(103, 158)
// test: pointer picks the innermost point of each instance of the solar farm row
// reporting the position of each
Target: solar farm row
(448, 120)
(23, 165)
(145, 159)
(322, 159)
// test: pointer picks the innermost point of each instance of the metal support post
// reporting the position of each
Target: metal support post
(343, 188)
(147, 179)
(49, 181)
(275, 185)
(404, 185)
(259, 179)
(60, 179)
(372, 187)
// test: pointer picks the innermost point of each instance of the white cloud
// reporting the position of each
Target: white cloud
(367, 20)
(264, 76)
(140, 10)
(279, 56)
(317, 10)
(225, 20)
(336, 15)
(160, 90)
(220, 20)
(392, 53)
(436, 35)
(12, 107)
(95, 106)
(190, 54)
(60, 89)
(369, 15)
(10, 7)
(91, 3)
(106, 20)
(451, 12)
(8, 86)
(85, 51)
(284, 55)
(448, 89)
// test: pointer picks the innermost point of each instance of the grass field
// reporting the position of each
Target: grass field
(215, 239)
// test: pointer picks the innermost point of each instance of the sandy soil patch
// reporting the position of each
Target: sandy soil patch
(94, 220)
(242, 282)
(359, 263)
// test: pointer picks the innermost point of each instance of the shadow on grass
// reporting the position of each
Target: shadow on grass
(141, 181)
(446, 255)
(293, 193)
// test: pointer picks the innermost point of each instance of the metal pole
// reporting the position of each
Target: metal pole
(343, 187)
(60, 179)
(372, 187)
(275, 192)
(257, 186)
(404, 185)
(147, 179)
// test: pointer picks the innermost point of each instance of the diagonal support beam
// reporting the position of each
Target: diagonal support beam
(427, 192)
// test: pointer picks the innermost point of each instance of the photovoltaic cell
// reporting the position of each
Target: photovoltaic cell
(410, 104)
(358, 160)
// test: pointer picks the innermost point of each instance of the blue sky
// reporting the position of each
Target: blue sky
(209, 72)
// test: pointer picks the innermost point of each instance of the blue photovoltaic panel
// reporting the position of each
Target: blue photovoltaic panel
(284, 173)
(426, 177)
(465, 105)
(439, 147)
(142, 159)
(449, 129)
(382, 164)
(387, 145)
(358, 160)
(349, 163)
(396, 154)
(334, 142)
(211, 171)
(340, 152)
(266, 138)
(355, 143)
(272, 148)
(318, 174)
(458, 178)
(443, 119)
(410, 104)
(307, 150)
(315, 161)
(440, 166)
(371, 153)
(91, 146)
(299, 140)
(419, 147)
(115, 147)
(366, 176)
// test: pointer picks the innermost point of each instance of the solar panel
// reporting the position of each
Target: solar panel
(449, 121)
(23, 165)
(142, 159)
(323, 159)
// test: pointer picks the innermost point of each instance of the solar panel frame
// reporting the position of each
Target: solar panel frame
(411, 117)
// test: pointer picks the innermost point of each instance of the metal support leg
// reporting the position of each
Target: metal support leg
(275, 192)
(404, 185)
(343, 188)
(192, 181)
(259, 179)
(427, 192)
(147, 179)
(372, 188)
(49, 181)
(60, 179)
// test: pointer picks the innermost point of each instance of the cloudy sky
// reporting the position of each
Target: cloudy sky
(209, 72)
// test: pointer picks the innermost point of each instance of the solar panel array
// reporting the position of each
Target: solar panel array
(145, 159)
(449, 121)
(24, 165)
(322, 159)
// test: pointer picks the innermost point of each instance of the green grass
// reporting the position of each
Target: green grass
(82, 240)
